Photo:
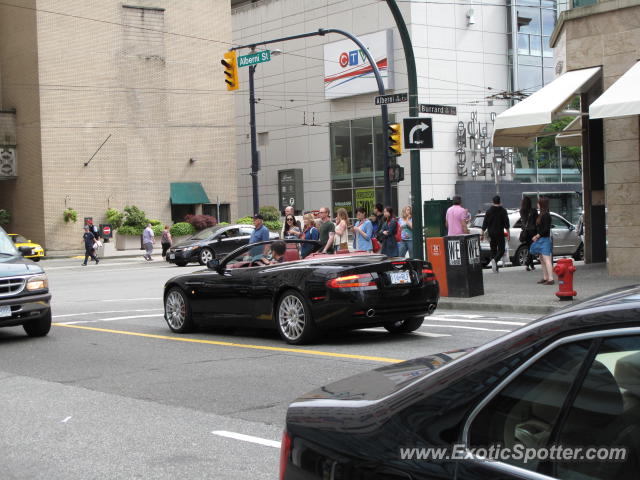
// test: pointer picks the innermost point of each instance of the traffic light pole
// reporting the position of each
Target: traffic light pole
(254, 142)
(416, 180)
(384, 110)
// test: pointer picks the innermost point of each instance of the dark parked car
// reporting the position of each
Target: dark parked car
(24, 290)
(300, 298)
(569, 379)
(210, 243)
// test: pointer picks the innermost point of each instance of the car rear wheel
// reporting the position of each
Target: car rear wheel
(181, 264)
(38, 327)
(295, 324)
(579, 254)
(177, 311)
(205, 256)
(36, 259)
(404, 326)
(521, 255)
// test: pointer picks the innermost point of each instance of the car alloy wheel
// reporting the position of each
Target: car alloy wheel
(521, 255)
(404, 326)
(206, 255)
(294, 321)
(177, 311)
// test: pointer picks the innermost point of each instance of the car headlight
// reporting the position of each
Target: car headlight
(38, 282)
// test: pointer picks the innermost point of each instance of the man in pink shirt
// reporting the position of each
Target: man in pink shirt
(456, 219)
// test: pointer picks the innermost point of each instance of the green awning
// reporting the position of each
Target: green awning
(188, 193)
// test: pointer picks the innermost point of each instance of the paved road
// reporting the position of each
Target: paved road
(112, 393)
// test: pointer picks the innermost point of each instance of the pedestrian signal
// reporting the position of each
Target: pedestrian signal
(396, 174)
(395, 139)
(230, 70)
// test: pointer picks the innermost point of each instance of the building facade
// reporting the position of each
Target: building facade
(473, 62)
(106, 104)
(605, 36)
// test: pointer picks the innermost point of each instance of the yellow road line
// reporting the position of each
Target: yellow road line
(237, 345)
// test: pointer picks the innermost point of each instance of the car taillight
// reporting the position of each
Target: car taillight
(428, 275)
(285, 450)
(352, 281)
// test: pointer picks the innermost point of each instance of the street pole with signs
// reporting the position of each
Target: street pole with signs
(254, 143)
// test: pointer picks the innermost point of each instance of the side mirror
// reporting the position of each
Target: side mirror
(214, 264)
(571, 228)
(24, 251)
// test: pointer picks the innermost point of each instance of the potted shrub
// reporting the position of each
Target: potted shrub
(134, 222)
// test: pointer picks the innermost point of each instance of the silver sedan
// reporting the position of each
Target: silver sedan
(566, 241)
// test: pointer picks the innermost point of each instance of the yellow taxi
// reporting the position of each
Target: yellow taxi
(37, 251)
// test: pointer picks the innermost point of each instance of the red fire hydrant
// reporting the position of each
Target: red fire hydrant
(564, 270)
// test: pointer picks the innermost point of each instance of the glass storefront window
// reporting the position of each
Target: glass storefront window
(362, 135)
(548, 21)
(357, 173)
(340, 155)
(523, 44)
(535, 45)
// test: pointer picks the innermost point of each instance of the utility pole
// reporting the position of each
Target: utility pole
(416, 180)
(254, 143)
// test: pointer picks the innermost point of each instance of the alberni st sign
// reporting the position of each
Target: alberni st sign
(394, 98)
(437, 109)
(253, 58)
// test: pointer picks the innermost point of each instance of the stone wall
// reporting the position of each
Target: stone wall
(608, 35)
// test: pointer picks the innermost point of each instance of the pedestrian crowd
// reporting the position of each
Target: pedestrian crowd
(381, 232)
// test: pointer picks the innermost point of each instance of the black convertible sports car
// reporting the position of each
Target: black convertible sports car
(557, 399)
(210, 243)
(300, 298)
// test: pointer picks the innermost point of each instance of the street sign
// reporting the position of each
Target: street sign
(394, 98)
(106, 230)
(418, 133)
(253, 58)
(437, 109)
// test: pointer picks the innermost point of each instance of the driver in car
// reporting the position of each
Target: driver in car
(278, 249)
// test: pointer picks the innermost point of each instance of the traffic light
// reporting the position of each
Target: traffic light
(395, 139)
(396, 174)
(230, 70)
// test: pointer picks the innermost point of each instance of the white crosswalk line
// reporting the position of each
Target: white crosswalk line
(465, 328)
(112, 319)
(497, 322)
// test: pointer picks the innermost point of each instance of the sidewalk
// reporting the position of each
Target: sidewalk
(515, 290)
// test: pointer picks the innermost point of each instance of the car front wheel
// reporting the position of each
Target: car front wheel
(205, 256)
(38, 327)
(295, 324)
(404, 326)
(177, 311)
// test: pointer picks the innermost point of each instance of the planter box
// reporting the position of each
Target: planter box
(127, 242)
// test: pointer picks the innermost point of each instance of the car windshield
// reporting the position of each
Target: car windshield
(6, 245)
(19, 239)
(206, 233)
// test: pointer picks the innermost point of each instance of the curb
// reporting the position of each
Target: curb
(449, 304)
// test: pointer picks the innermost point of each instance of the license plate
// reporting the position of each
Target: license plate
(172, 256)
(5, 311)
(398, 278)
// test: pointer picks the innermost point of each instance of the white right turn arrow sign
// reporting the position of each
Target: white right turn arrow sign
(418, 133)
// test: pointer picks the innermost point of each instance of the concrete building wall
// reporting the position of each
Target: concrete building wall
(20, 70)
(146, 79)
(457, 64)
(608, 35)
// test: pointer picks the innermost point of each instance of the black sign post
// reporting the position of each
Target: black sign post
(418, 133)
(291, 189)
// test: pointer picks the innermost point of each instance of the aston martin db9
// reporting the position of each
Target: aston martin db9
(256, 287)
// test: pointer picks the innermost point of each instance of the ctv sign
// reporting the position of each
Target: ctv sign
(347, 70)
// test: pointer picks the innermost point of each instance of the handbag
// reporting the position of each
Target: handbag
(398, 233)
(375, 244)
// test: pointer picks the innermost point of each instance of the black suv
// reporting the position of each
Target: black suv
(24, 290)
